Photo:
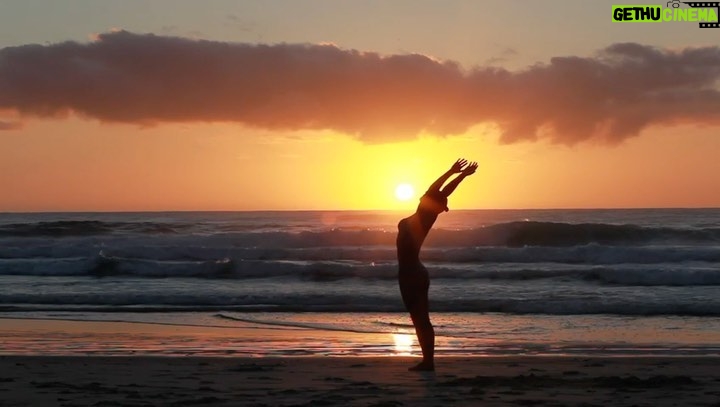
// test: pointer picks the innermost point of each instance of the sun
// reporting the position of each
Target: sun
(404, 192)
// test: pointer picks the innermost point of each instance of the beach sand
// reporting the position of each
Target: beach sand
(81, 363)
(373, 381)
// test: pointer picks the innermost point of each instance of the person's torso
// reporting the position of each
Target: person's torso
(412, 232)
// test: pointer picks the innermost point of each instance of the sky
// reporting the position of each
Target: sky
(331, 105)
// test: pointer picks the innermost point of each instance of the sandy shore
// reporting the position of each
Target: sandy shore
(99, 369)
(327, 381)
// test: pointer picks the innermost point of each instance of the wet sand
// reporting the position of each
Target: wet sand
(356, 381)
(81, 363)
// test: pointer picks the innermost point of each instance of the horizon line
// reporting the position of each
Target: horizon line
(359, 210)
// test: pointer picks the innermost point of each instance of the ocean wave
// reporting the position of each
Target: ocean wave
(290, 324)
(63, 228)
(688, 274)
(565, 234)
(198, 251)
(510, 234)
(115, 303)
(105, 266)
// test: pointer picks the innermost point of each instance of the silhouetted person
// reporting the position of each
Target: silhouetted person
(412, 275)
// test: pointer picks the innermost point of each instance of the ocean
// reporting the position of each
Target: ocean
(610, 282)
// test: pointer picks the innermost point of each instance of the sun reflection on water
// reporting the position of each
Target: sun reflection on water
(403, 344)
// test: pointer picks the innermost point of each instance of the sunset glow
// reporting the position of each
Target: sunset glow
(404, 192)
(318, 116)
(406, 202)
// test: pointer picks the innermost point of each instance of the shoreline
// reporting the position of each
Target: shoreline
(371, 381)
(52, 336)
(48, 337)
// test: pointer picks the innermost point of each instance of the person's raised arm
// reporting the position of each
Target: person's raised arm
(450, 187)
(456, 168)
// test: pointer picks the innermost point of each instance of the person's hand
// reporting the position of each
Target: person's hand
(458, 166)
(470, 169)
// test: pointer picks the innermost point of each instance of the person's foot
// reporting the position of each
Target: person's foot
(423, 367)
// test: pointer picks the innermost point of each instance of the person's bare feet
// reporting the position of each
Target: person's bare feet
(423, 367)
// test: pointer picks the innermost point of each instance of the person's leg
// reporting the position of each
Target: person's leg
(415, 298)
(420, 316)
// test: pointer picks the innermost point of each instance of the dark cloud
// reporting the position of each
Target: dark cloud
(146, 79)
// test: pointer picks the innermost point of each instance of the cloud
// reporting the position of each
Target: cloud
(9, 125)
(147, 79)
(504, 55)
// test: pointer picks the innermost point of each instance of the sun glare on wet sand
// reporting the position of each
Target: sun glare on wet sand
(403, 344)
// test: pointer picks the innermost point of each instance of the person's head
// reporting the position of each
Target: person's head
(434, 202)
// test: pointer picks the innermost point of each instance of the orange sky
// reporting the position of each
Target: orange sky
(105, 159)
(208, 167)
